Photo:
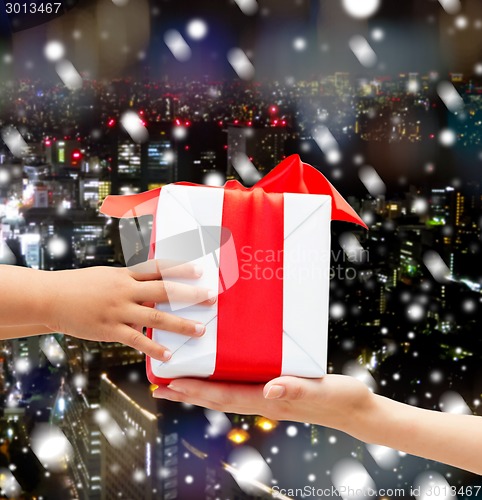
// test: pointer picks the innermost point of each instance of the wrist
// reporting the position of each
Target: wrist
(383, 421)
(46, 297)
(28, 295)
(363, 419)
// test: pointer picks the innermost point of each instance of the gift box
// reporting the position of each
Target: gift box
(266, 251)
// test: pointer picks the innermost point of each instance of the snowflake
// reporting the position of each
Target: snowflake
(363, 51)
(241, 64)
(54, 50)
(361, 8)
(197, 29)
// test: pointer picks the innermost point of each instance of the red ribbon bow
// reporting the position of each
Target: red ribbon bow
(290, 176)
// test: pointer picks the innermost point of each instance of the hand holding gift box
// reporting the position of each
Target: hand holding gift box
(265, 250)
(101, 303)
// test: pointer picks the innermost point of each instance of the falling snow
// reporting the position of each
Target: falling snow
(248, 7)
(452, 402)
(327, 143)
(299, 44)
(14, 141)
(197, 29)
(54, 51)
(361, 8)
(177, 45)
(451, 6)
(241, 64)
(133, 125)
(363, 51)
(377, 34)
(69, 75)
(51, 447)
(349, 474)
(447, 137)
(450, 97)
(248, 467)
(371, 180)
(245, 168)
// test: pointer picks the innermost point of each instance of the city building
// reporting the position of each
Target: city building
(86, 362)
(410, 254)
(141, 461)
(27, 349)
(129, 166)
(64, 153)
(84, 435)
(263, 146)
(160, 161)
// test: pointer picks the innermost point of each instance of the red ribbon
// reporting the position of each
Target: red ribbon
(250, 313)
(290, 176)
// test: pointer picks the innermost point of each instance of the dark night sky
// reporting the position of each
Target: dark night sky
(411, 43)
(417, 38)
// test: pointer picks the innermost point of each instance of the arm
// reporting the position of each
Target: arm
(346, 404)
(100, 303)
(24, 296)
(13, 332)
(444, 437)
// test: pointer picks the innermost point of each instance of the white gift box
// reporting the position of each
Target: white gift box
(265, 251)
(304, 263)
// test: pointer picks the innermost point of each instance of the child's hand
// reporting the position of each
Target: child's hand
(106, 303)
(335, 401)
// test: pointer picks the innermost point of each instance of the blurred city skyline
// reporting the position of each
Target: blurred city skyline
(401, 125)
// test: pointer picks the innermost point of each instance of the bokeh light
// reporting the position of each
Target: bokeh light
(54, 50)
(361, 9)
(197, 29)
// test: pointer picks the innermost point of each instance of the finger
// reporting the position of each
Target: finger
(155, 269)
(223, 393)
(177, 397)
(131, 337)
(152, 318)
(169, 291)
(164, 392)
(291, 388)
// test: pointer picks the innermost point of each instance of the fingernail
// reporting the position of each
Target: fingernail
(275, 392)
(167, 355)
(174, 387)
(211, 296)
(199, 328)
(198, 271)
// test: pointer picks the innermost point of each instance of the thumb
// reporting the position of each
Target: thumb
(290, 388)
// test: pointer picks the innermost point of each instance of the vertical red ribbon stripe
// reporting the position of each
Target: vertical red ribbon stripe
(250, 313)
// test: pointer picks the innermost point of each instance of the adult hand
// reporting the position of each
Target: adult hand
(334, 400)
